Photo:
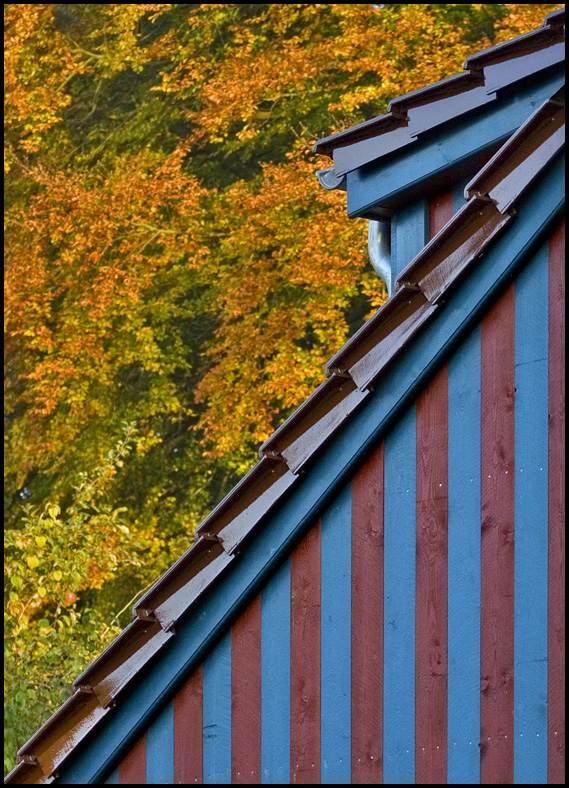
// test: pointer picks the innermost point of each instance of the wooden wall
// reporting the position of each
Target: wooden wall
(415, 635)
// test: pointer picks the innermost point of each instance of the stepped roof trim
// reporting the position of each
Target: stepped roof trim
(360, 367)
(413, 114)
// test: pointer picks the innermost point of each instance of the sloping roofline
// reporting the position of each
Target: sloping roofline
(422, 288)
(485, 73)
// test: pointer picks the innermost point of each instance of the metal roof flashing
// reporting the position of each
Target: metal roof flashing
(357, 377)
(427, 108)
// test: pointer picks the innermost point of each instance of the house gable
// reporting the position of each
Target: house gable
(413, 362)
(328, 674)
(272, 544)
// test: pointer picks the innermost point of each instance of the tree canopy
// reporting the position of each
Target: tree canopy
(175, 277)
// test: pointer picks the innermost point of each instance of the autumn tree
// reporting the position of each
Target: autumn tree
(170, 257)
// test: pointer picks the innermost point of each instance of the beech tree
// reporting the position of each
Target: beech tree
(172, 261)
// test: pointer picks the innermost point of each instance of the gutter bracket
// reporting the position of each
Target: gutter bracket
(330, 180)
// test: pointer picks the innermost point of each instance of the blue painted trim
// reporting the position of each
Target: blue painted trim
(399, 386)
(335, 643)
(390, 180)
(531, 522)
(160, 749)
(113, 779)
(399, 602)
(409, 234)
(275, 678)
(217, 714)
(458, 199)
(464, 447)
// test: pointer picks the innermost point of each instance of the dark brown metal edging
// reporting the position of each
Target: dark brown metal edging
(450, 86)
(532, 41)
(538, 128)
(363, 131)
(394, 312)
(256, 480)
(551, 32)
(320, 402)
(82, 712)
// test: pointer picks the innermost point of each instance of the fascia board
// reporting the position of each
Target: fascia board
(210, 618)
(387, 184)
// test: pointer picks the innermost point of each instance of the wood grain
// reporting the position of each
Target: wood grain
(305, 660)
(497, 542)
(431, 581)
(367, 622)
(440, 211)
(188, 731)
(132, 770)
(246, 696)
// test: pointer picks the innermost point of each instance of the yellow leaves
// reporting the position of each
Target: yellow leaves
(57, 575)
(40, 541)
(32, 561)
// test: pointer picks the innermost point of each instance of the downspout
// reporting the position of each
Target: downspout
(379, 247)
(379, 231)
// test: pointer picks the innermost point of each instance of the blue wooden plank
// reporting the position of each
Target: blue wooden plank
(443, 152)
(112, 779)
(399, 603)
(160, 749)
(531, 522)
(458, 199)
(211, 615)
(335, 644)
(463, 764)
(217, 714)
(409, 234)
(275, 678)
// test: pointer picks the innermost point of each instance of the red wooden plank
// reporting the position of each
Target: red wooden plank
(188, 731)
(246, 696)
(132, 770)
(556, 591)
(497, 543)
(305, 660)
(367, 622)
(440, 212)
(431, 613)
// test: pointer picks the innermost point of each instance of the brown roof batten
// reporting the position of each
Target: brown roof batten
(448, 98)
(450, 252)
(450, 86)
(425, 284)
(183, 583)
(550, 33)
(63, 732)
(299, 438)
(522, 158)
(108, 675)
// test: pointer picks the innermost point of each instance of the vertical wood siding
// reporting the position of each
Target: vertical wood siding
(497, 543)
(556, 508)
(415, 634)
(246, 697)
(367, 622)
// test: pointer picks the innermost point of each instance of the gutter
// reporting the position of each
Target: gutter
(379, 231)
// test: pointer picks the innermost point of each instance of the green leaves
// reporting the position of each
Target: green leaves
(171, 260)
(60, 554)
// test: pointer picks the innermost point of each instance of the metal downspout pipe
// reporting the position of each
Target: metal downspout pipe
(379, 247)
